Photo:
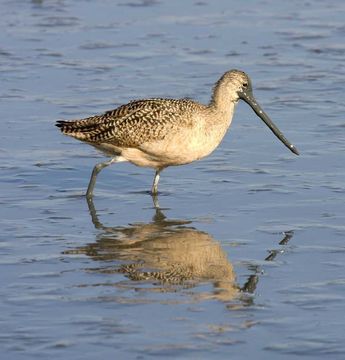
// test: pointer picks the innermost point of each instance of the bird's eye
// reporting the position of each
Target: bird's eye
(245, 85)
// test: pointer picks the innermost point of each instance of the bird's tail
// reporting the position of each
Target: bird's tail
(84, 129)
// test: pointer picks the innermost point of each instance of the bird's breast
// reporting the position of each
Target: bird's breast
(186, 145)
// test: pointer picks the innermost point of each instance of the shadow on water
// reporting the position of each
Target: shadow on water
(170, 255)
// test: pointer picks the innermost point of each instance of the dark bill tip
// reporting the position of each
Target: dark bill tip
(294, 149)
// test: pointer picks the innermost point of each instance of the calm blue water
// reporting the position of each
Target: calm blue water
(253, 235)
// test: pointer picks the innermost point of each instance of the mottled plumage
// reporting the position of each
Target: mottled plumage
(133, 124)
(158, 133)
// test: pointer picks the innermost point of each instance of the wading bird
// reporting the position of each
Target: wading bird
(158, 133)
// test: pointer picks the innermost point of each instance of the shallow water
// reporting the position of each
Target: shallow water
(246, 256)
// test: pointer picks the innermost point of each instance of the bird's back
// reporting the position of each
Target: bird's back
(135, 123)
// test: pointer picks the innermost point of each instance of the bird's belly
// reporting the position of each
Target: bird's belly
(107, 149)
(178, 150)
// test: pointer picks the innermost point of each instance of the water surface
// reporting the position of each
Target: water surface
(246, 256)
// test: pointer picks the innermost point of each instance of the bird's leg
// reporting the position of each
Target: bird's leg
(95, 171)
(93, 213)
(154, 189)
(155, 201)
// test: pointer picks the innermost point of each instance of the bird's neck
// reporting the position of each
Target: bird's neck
(223, 108)
(221, 102)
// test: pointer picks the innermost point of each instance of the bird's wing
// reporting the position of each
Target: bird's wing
(132, 124)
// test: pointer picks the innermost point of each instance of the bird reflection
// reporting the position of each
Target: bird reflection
(168, 254)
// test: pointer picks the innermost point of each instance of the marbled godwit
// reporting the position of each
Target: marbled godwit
(158, 133)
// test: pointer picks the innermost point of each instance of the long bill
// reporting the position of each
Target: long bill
(248, 97)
